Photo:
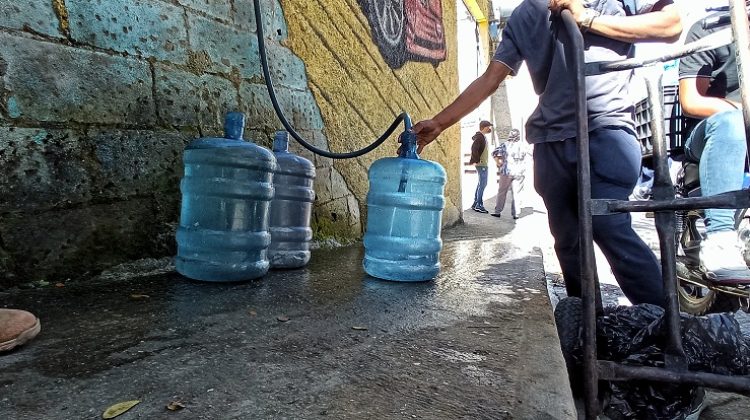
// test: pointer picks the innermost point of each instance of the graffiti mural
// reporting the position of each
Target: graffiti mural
(407, 30)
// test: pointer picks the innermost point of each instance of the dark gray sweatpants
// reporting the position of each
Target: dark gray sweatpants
(615, 165)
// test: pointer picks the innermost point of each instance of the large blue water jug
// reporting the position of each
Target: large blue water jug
(291, 207)
(404, 210)
(226, 193)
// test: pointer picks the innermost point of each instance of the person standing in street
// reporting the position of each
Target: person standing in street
(511, 160)
(534, 35)
(479, 158)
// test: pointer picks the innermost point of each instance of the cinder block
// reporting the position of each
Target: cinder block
(51, 82)
(187, 99)
(219, 8)
(256, 104)
(274, 23)
(331, 220)
(35, 15)
(300, 108)
(66, 243)
(148, 28)
(226, 46)
(287, 70)
(136, 162)
(42, 169)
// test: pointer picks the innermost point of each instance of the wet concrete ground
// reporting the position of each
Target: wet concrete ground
(326, 341)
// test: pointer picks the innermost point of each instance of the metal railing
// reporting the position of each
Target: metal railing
(675, 368)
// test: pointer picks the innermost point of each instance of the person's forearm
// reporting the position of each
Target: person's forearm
(709, 106)
(474, 95)
(661, 26)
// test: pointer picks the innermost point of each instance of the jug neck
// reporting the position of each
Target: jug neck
(234, 125)
(281, 142)
(408, 148)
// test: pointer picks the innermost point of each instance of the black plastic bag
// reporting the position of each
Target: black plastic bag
(634, 335)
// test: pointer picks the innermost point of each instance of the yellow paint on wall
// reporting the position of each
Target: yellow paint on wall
(476, 10)
(359, 94)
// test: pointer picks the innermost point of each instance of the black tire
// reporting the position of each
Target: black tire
(388, 24)
(697, 300)
(569, 321)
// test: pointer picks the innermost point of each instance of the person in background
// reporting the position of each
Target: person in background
(534, 35)
(479, 158)
(710, 95)
(510, 158)
(16, 328)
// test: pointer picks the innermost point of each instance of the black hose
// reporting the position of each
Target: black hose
(272, 93)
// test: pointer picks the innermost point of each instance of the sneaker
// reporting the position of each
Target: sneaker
(16, 328)
(481, 209)
(495, 214)
(697, 404)
(721, 257)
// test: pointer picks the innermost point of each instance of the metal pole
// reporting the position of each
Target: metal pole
(728, 200)
(585, 225)
(666, 226)
(707, 43)
(612, 371)
(741, 30)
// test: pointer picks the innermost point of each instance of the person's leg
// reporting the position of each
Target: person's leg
(16, 328)
(722, 164)
(718, 143)
(476, 190)
(555, 181)
(513, 198)
(516, 188)
(615, 166)
(504, 182)
(519, 184)
(479, 196)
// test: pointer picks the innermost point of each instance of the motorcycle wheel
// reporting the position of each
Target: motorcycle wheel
(697, 300)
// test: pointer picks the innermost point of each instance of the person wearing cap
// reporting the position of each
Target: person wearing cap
(479, 158)
(510, 158)
(534, 34)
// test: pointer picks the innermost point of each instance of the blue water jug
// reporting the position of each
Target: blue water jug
(404, 210)
(226, 193)
(291, 207)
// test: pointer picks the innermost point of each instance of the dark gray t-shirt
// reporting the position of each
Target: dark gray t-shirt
(531, 35)
(719, 65)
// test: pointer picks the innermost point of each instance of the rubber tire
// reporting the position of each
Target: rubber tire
(394, 53)
(569, 321)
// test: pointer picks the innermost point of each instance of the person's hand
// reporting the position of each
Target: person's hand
(575, 6)
(426, 132)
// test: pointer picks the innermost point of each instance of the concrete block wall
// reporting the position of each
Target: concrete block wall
(98, 98)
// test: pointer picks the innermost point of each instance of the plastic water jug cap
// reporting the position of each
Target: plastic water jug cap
(408, 147)
(234, 125)
(281, 141)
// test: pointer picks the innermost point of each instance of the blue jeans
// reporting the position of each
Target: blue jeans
(615, 165)
(718, 145)
(479, 193)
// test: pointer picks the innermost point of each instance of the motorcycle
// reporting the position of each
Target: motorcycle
(697, 293)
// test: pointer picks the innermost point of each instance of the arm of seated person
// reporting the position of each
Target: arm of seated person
(696, 104)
